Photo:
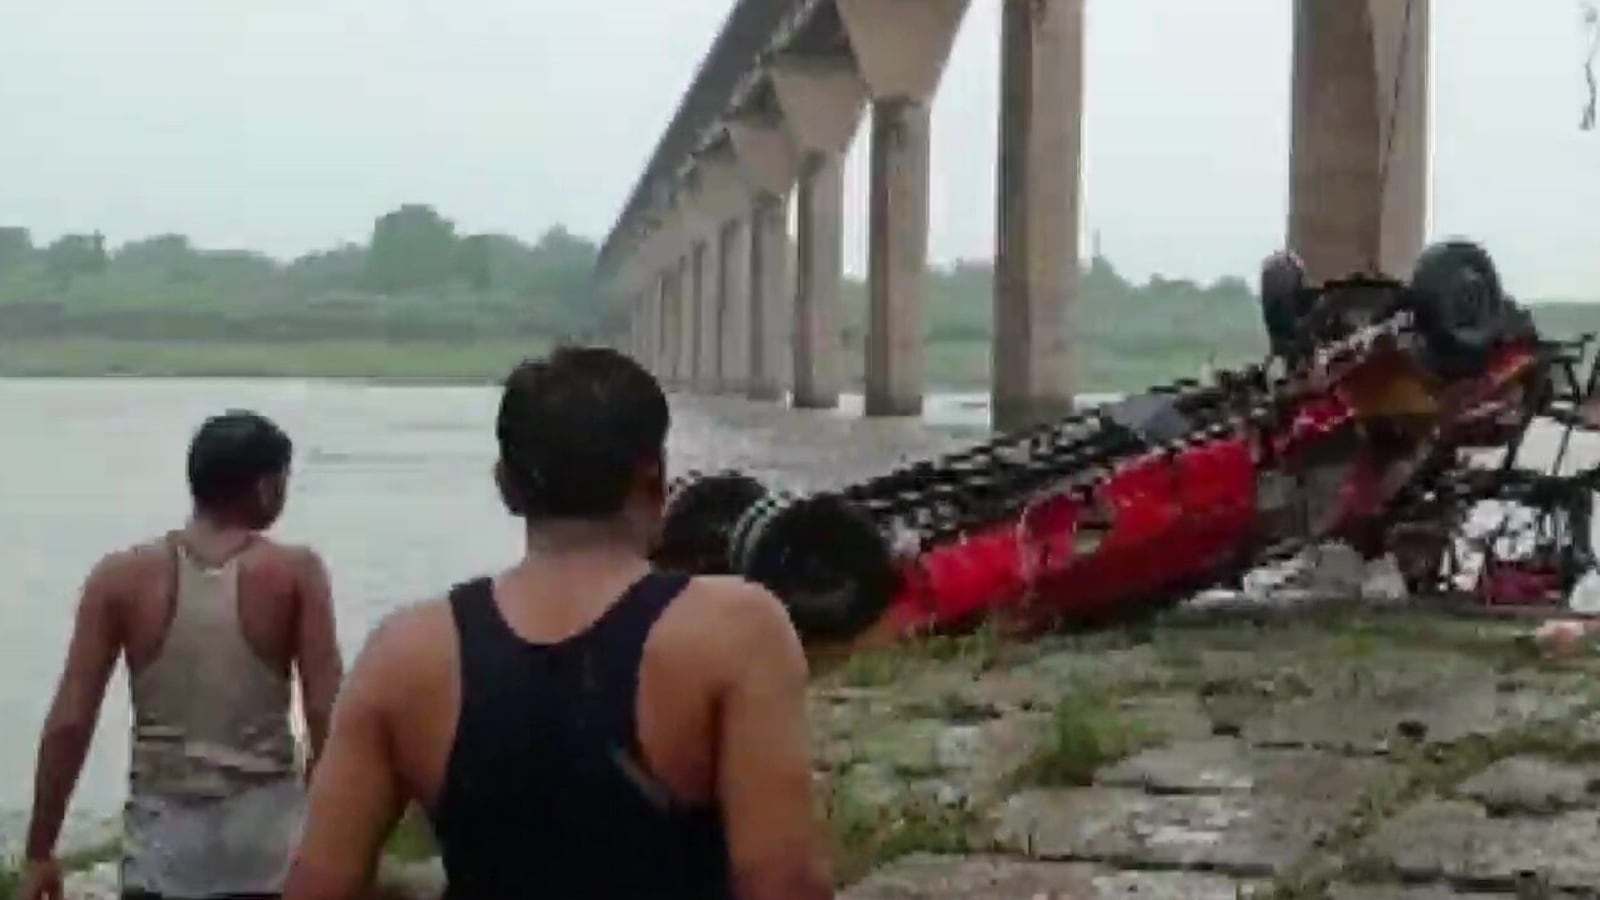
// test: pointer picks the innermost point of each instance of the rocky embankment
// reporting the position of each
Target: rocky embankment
(1334, 753)
(1340, 753)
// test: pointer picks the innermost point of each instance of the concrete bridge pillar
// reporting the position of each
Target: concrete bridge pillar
(733, 289)
(901, 47)
(769, 162)
(636, 283)
(897, 258)
(1359, 172)
(819, 262)
(708, 313)
(641, 328)
(684, 317)
(771, 301)
(650, 339)
(635, 347)
(822, 99)
(719, 196)
(668, 322)
(1037, 272)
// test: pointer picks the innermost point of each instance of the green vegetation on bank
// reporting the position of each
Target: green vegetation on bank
(419, 301)
(474, 361)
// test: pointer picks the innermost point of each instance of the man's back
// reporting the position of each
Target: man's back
(548, 772)
(210, 619)
(581, 726)
(269, 577)
(210, 633)
(508, 713)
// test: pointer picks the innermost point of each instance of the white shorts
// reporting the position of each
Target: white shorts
(239, 845)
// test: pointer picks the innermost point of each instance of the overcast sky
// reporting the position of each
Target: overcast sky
(286, 126)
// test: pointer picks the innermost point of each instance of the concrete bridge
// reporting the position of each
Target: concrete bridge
(724, 299)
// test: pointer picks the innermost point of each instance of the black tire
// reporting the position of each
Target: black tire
(699, 518)
(825, 559)
(1459, 306)
(1285, 303)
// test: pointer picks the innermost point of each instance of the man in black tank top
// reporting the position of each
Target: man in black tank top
(580, 725)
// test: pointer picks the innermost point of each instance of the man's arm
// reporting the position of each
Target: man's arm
(69, 726)
(355, 796)
(317, 654)
(764, 761)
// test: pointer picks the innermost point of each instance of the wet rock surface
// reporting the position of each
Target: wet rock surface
(1347, 753)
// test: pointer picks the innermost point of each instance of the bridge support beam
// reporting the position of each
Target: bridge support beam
(683, 301)
(733, 291)
(719, 197)
(901, 47)
(651, 338)
(635, 347)
(670, 332)
(707, 316)
(1037, 273)
(819, 259)
(821, 99)
(897, 258)
(1359, 172)
(771, 302)
(641, 328)
(769, 162)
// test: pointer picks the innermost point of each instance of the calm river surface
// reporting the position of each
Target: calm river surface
(391, 483)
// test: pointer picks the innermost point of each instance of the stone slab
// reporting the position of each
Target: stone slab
(1173, 717)
(1458, 842)
(1227, 765)
(927, 877)
(909, 746)
(1531, 786)
(1391, 892)
(1435, 708)
(1240, 834)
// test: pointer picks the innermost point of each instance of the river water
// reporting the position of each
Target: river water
(391, 484)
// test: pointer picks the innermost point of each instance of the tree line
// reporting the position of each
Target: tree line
(415, 277)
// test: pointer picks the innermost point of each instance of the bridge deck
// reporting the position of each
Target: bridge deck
(752, 28)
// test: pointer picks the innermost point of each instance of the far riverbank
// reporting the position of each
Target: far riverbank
(952, 365)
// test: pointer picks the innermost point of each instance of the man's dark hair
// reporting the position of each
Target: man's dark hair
(574, 428)
(231, 453)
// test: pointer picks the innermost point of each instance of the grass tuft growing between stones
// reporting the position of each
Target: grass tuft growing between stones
(1086, 732)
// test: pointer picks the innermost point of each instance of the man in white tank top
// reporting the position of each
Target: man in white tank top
(212, 619)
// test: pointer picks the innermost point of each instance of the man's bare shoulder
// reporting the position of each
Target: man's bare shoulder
(739, 615)
(128, 568)
(744, 600)
(412, 642)
(413, 626)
